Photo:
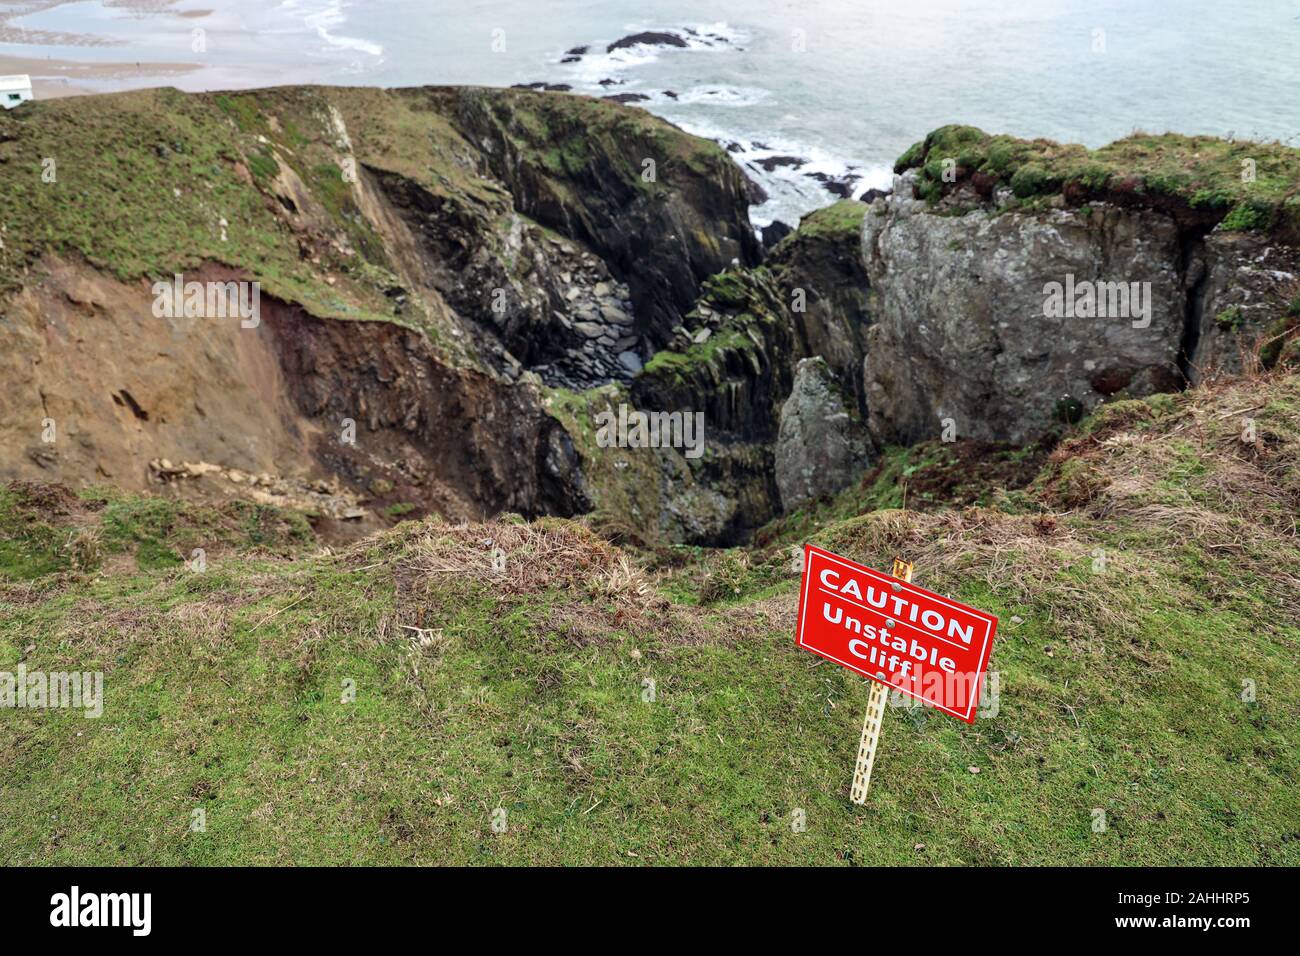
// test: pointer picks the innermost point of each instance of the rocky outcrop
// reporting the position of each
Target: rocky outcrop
(664, 211)
(730, 361)
(819, 449)
(1246, 306)
(733, 360)
(1016, 284)
(824, 281)
(971, 328)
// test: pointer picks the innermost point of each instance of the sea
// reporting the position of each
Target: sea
(815, 98)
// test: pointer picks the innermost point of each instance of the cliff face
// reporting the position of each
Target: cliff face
(457, 283)
(1017, 285)
(1002, 290)
(429, 262)
(664, 211)
(964, 331)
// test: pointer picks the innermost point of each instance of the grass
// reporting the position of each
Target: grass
(146, 184)
(150, 183)
(839, 222)
(1152, 578)
(750, 304)
(46, 530)
(1243, 185)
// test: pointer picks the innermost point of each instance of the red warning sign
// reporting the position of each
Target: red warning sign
(911, 639)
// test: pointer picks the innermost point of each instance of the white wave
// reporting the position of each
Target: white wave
(324, 18)
(594, 67)
(597, 64)
(792, 190)
(711, 36)
(715, 95)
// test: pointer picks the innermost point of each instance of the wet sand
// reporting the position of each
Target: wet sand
(54, 76)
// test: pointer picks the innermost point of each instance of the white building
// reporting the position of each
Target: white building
(15, 90)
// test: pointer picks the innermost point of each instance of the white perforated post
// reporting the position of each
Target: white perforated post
(875, 716)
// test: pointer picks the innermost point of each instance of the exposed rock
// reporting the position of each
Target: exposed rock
(661, 243)
(825, 285)
(646, 38)
(961, 331)
(771, 163)
(754, 193)
(841, 186)
(774, 233)
(1240, 304)
(820, 448)
(615, 314)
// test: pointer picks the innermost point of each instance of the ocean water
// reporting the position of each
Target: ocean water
(829, 89)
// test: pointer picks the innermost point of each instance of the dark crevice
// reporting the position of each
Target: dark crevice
(123, 398)
(1192, 266)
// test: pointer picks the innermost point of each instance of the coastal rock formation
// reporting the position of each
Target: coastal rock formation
(967, 329)
(818, 449)
(1017, 285)
(662, 209)
(428, 261)
(1240, 319)
(455, 283)
(826, 287)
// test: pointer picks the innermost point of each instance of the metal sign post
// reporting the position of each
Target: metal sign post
(875, 716)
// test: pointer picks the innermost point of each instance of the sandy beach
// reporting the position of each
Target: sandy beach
(42, 54)
(83, 56)
(60, 77)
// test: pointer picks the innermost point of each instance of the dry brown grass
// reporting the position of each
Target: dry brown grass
(607, 590)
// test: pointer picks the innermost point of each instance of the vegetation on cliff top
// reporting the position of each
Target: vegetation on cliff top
(840, 221)
(1147, 586)
(149, 183)
(1245, 185)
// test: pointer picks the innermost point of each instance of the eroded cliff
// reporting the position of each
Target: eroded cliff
(457, 286)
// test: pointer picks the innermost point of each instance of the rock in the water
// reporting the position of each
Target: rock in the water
(820, 448)
(774, 233)
(841, 186)
(770, 163)
(647, 38)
